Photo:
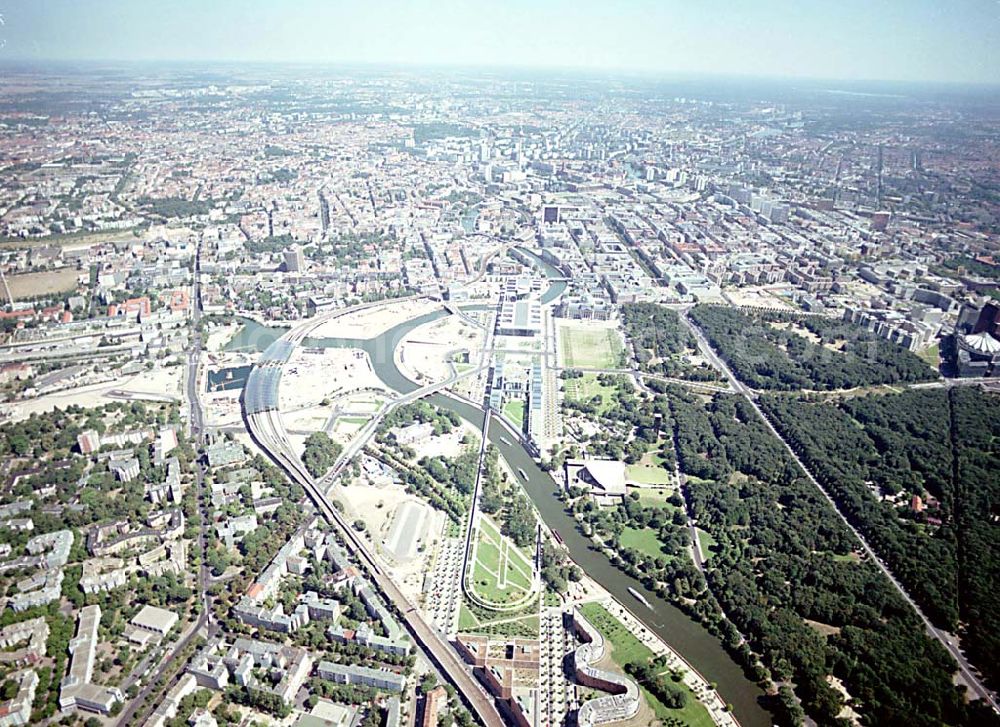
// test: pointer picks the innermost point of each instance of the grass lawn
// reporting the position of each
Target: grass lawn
(516, 577)
(586, 388)
(521, 626)
(485, 585)
(521, 559)
(644, 540)
(707, 543)
(488, 555)
(524, 626)
(489, 529)
(353, 420)
(653, 458)
(514, 410)
(590, 348)
(931, 355)
(516, 570)
(649, 497)
(624, 645)
(78, 239)
(693, 713)
(692, 480)
(467, 620)
(627, 648)
(495, 554)
(647, 475)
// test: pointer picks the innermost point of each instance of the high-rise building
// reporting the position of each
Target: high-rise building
(295, 261)
(988, 320)
(779, 213)
(879, 221)
(324, 212)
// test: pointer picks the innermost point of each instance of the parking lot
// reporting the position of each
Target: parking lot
(444, 595)
(556, 694)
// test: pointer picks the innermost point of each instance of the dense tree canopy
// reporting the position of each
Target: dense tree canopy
(785, 574)
(763, 351)
(660, 340)
(874, 454)
(320, 453)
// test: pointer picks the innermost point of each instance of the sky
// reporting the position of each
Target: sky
(908, 40)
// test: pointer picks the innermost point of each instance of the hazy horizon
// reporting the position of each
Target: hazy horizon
(896, 41)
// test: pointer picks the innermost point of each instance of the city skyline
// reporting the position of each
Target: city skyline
(895, 41)
(527, 365)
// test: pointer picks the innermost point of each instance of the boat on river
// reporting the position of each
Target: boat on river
(639, 597)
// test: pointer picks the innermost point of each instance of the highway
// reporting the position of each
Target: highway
(197, 432)
(945, 639)
(455, 310)
(267, 430)
(696, 553)
(708, 352)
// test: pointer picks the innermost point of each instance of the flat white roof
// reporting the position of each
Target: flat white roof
(155, 619)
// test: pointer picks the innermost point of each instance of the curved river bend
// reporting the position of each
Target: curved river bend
(690, 639)
(700, 648)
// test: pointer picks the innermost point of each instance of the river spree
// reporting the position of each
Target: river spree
(254, 336)
(701, 649)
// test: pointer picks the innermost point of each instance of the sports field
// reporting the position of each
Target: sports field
(590, 347)
(502, 573)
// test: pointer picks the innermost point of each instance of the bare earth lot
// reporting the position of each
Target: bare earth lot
(27, 285)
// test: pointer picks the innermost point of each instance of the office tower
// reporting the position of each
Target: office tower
(295, 261)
